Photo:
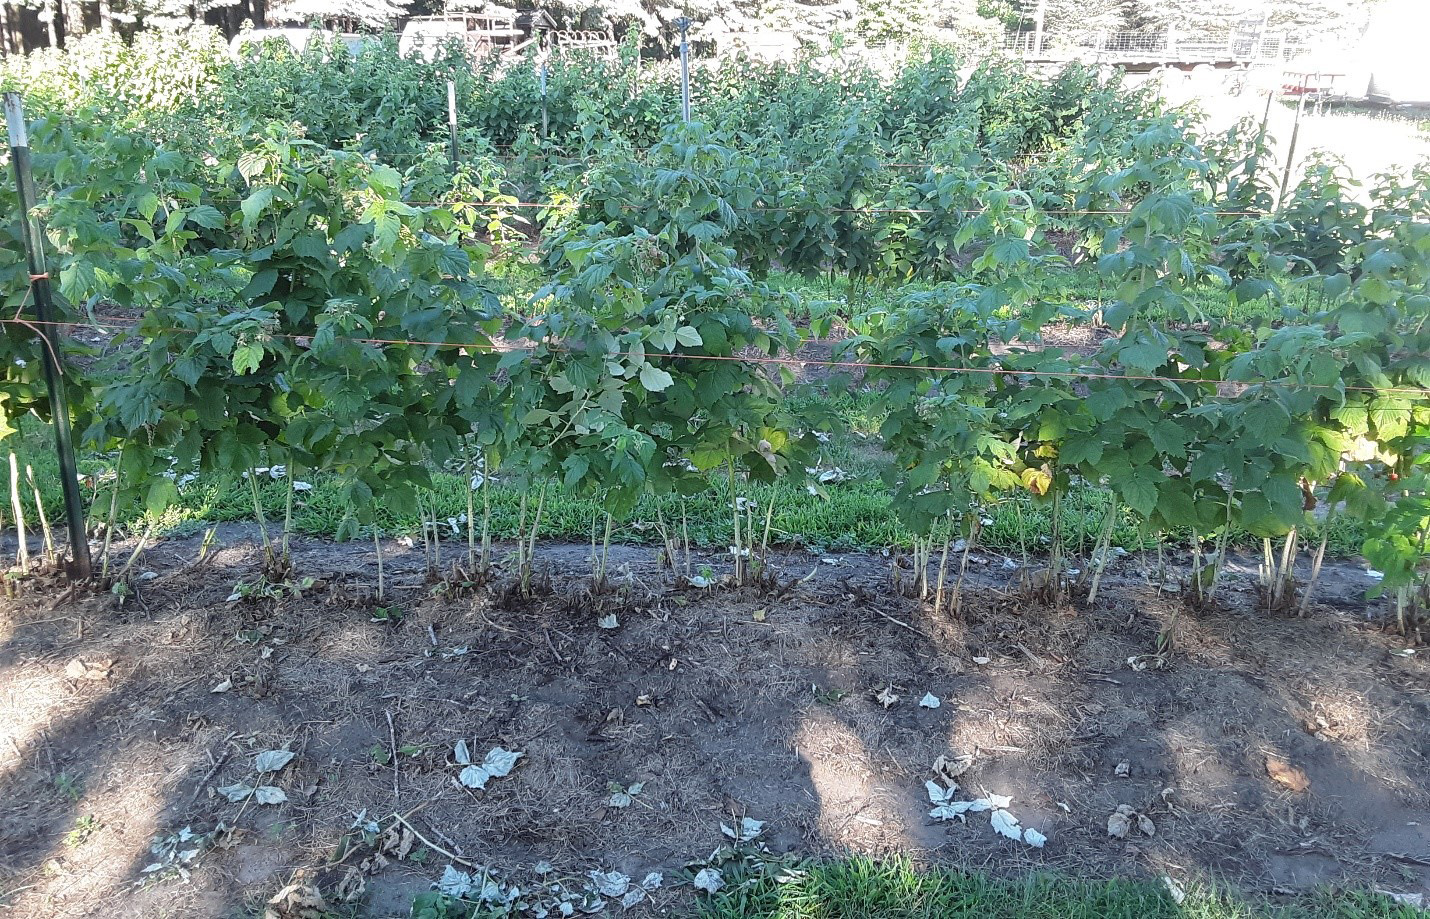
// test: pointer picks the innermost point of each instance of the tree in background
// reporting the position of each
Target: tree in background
(962, 23)
(347, 15)
(1060, 16)
(1311, 18)
(972, 24)
(1316, 16)
(958, 22)
(29, 24)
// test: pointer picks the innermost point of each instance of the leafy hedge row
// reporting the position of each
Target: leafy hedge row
(317, 307)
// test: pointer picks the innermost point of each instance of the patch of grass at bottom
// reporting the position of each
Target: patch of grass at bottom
(865, 889)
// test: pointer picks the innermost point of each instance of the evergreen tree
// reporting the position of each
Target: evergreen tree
(28, 24)
(347, 15)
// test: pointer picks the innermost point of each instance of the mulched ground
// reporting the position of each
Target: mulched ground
(723, 703)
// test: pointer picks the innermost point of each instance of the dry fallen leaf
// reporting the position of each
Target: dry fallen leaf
(1287, 775)
(1412, 900)
(351, 887)
(1121, 821)
(1319, 728)
(886, 697)
(78, 669)
(1119, 824)
(296, 901)
(272, 760)
(226, 837)
(950, 768)
(397, 841)
(1006, 824)
(373, 863)
(708, 880)
(269, 794)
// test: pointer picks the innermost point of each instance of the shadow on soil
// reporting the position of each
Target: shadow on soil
(121, 721)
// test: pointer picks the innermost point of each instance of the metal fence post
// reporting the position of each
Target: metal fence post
(683, 24)
(545, 119)
(452, 124)
(49, 340)
(1291, 148)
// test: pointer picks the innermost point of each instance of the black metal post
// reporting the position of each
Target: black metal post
(1291, 150)
(49, 340)
(683, 24)
(452, 123)
(545, 120)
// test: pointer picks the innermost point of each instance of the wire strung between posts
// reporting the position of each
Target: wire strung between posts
(574, 205)
(1057, 212)
(34, 324)
(640, 151)
(781, 361)
(565, 158)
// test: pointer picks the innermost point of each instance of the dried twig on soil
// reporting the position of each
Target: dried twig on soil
(901, 624)
(1037, 661)
(550, 644)
(1412, 859)
(499, 628)
(396, 767)
(432, 845)
(218, 761)
(63, 599)
(443, 836)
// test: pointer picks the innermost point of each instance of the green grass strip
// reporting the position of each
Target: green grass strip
(864, 889)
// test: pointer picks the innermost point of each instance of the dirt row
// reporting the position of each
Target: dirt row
(1274, 752)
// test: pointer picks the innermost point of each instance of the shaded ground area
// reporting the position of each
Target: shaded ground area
(724, 704)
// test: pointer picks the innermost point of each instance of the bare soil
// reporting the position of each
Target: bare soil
(724, 703)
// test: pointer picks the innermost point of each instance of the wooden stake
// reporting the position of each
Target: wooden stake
(22, 555)
(40, 510)
(377, 546)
